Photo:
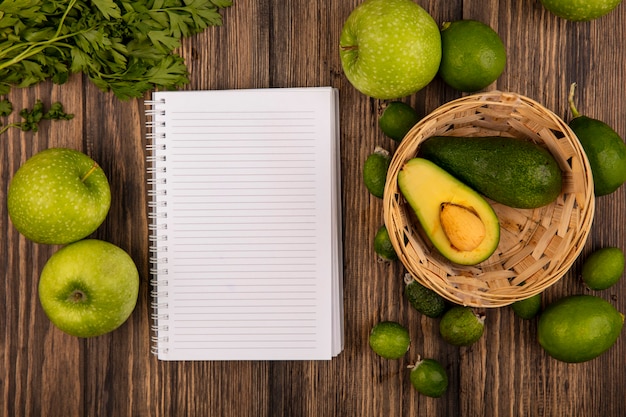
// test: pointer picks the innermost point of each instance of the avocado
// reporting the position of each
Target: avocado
(511, 171)
(604, 148)
(459, 222)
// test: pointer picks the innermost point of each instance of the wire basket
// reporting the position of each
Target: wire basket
(537, 246)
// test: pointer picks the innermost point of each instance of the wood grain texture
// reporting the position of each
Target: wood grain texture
(269, 43)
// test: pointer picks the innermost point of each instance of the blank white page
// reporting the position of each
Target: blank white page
(247, 258)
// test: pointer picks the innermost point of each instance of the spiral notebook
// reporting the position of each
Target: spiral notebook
(245, 224)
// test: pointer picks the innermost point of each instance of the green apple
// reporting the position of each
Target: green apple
(89, 288)
(580, 10)
(58, 196)
(390, 48)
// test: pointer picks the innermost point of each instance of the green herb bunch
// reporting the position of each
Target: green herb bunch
(32, 117)
(123, 46)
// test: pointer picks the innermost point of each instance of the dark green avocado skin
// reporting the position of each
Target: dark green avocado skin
(605, 151)
(511, 171)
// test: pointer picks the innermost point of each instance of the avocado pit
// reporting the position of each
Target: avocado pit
(462, 226)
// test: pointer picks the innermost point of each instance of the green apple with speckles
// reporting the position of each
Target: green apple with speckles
(89, 288)
(58, 196)
(390, 48)
(580, 10)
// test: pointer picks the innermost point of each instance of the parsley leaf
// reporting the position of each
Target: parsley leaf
(32, 117)
(56, 112)
(6, 107)
(124, 46)
(108, 8)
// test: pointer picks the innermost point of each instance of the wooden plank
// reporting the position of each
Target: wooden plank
(277, 44)
(115, 363)
(39, 364)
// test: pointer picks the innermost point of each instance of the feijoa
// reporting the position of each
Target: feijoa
(461, 326)
(429, 377)
(375, 171)
(423, 299)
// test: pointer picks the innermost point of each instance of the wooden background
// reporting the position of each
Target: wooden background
(265, 43)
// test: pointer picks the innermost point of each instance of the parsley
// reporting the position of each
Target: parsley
(123, 46)
(6, 107)
(33, 116)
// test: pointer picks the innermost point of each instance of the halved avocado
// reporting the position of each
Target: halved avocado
(460, 223)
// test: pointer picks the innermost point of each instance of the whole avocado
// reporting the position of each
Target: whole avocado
(511, 171)
(604, 148)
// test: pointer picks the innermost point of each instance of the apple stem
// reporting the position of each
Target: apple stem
(570, 100)
(91, 171)
(77, 296)
(349, 47)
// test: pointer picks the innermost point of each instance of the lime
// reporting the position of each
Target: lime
(460, 326)
(375, 171)
(383, 246)
(396, 119)
(580, 10)
(473, 55)
(527, 308)
(578, 328)
(423, 299)
(389, 340)
(603, 268)
(429, 377)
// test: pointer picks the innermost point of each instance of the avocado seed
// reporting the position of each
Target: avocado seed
(464, 229)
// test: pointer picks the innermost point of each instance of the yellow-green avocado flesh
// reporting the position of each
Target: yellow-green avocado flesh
(429, 190)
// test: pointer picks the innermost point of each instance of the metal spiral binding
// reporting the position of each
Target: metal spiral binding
(157, 227)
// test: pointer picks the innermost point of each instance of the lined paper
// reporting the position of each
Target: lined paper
(248, 224)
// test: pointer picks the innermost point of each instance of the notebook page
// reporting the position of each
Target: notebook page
(250, 216)
(337, 240)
